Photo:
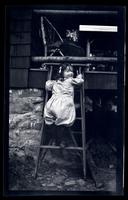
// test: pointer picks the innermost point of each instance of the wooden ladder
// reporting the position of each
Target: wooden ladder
(75, 147)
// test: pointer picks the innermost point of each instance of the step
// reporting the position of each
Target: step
(58, 147)
(77, 132)
(78, 118)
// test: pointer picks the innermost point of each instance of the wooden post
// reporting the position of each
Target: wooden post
(43, 36)
(87, 51)
(88, 48)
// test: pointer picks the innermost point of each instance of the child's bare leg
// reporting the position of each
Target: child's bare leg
(60, 136)
(50, 135)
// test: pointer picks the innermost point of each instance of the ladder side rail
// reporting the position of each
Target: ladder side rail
(82, 99)
(42, 127)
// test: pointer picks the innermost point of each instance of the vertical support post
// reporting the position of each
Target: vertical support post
(88, 51)
(82, 102)
(43, 36)
(83, 114)
(88, 48)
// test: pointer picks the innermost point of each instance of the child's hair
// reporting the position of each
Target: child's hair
(60, 73)
(72, 34)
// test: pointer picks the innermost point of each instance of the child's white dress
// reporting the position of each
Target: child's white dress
(60, 108)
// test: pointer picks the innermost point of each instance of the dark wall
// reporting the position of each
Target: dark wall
(24, 44)
(20, 38)
(20, 21)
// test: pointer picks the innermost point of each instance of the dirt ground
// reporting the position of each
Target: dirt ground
(63, 173)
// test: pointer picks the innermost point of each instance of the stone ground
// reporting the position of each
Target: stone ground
(58, 173)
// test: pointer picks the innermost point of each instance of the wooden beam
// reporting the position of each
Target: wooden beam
(87, 12)
(69, 59)
(43, 36)
(55, 147)
(98, 28)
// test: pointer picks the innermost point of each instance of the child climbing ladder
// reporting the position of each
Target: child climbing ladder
(60, 108)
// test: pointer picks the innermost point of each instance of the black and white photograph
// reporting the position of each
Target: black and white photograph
(65, 106)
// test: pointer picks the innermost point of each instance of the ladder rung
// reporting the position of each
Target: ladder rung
(77, 132)
(79, 118)
(58, 147)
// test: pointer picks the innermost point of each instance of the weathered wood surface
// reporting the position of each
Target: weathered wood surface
(37, 79)
(106, 80)
(19, 62)
(75, 59)
(20, 38)
(20, 26)
(18, 78)
(21, 13)
(20, 50)
(87, 12)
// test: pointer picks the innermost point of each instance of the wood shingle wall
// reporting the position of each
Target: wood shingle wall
(20, 46)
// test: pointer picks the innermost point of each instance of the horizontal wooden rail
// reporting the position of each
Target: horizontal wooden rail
(87, 72)
(48, 147)
(70, 59)
(58, 147)
(101, 72)
(87, 12)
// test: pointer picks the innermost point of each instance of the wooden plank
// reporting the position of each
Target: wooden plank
(79, 12)
(101, 72)
(18, 78)
(20, 38)
(74, 59)
(20, 26)
(98, 28)
(19, 62)
(20, 50)
(58, 147)
(37, 79)
(20, 13)
(82, 101)
(101, 81)
(42, 131)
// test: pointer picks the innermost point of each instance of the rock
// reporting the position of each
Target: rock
(43, 184)
(51, 185)
(111, 166)
(20, 105)
(59, 186)
(25, 125)
(25, 120)
(20, 154)
(39, 108)
(27, 92)
(58, 179)
(81, 182)
(15, 119)
(111, 185)
(72, 182)
(35, 100)
(37, 126)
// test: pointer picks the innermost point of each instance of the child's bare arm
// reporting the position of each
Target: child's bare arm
(49, 85)
(78, 80)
